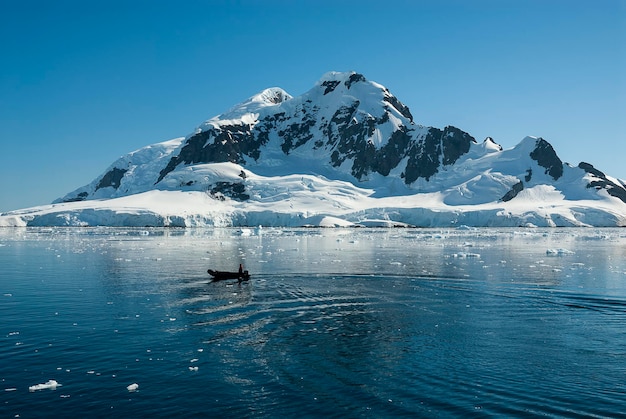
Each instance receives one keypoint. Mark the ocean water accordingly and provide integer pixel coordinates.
(333, 323)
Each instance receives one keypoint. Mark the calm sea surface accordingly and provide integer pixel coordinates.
(333, 323)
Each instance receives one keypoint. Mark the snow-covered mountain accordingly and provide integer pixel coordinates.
(347, 152)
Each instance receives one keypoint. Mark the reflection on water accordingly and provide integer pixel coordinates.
(357, 323)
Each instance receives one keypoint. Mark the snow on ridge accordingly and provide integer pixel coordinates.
(340, 76)
(528, 143)
(247, 112)
(142, 163)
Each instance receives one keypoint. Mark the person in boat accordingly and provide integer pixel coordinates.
(220, 275)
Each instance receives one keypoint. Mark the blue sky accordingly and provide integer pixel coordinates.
(82, 82)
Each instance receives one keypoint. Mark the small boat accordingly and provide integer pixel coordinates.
(221, 275)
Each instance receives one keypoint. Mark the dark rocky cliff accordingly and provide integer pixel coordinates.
(345, 135)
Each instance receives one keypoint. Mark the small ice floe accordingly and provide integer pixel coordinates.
(558, 252)
(50, 384)
(132, 387)
(463, 255)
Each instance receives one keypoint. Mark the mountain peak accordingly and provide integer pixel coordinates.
(269, 97)
(369, 95)
(347, 77)
(248, 110)
(344, 84)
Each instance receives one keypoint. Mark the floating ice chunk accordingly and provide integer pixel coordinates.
(463, 255)
(132, 387)
(50, 384)
(558, 252)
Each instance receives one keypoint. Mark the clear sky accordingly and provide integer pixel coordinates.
(85, 82)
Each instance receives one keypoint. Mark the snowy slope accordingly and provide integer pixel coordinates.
(347, 152)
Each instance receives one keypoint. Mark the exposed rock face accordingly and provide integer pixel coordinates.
(227, 144)
(350, 139)
(546, 157)
(79, 197)
(236, 191)
(529, 175)
(438, 148)
(517, 188)
(399, 106)
(602, 182)
(330, 85)
(112, 178)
